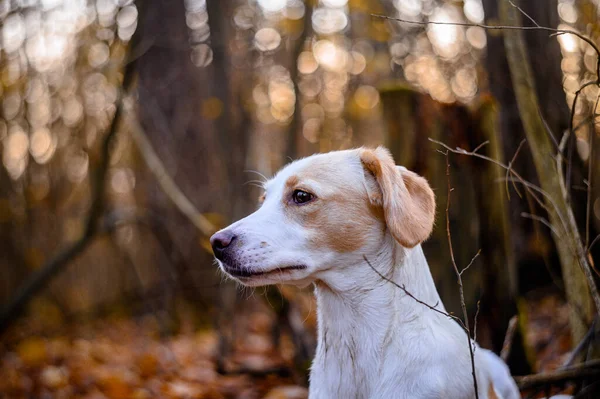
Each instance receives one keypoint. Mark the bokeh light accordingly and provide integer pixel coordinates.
(267, 39)
(272, 6)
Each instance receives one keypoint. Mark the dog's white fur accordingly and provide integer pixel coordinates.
(374, 341)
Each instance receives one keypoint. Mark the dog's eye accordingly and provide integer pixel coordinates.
(301, 197)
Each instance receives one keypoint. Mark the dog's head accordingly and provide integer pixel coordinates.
(324, 213)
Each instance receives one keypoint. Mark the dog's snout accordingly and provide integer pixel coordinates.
(221, 241)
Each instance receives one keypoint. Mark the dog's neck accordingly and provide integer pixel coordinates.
(360, 315)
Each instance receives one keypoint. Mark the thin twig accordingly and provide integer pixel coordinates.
(540, 219)
(508, 338)
(509, 169)
(459, 279)
(563, 142)
(530, 187)
(495, 27)
(480, 146)
(470, 263)
(403, 288)
(475, 323)
(591, 118)
(508, 27)
(547, 127)
(559, 162)
(574, 103)
(524, 13)
(580, 346)
(537, 27)
(564, 216)
(594, 241)
(592, 265)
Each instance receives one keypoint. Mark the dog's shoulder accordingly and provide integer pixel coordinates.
(427, 363)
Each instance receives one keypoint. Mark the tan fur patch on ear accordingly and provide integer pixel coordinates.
(370, 161)
(372, 168)
(408, 201)
(421, 207)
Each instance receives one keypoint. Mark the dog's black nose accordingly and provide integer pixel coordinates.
(221, 241)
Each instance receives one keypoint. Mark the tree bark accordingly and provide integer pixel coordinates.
(412, 118)
(172, 94)
(499, 274)
(572, 257)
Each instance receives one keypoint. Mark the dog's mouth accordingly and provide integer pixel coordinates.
(247, 273)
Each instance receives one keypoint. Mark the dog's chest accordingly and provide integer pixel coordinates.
(390, 368)
(393, 382)
(346, 364)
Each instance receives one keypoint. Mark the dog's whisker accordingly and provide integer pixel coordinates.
(265, 179)
(255, 183)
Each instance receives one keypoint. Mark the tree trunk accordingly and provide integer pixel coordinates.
(172, 92)
(499, 274)
(573, 261)
(413, 118)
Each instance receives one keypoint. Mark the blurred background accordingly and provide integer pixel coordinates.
(130, 131)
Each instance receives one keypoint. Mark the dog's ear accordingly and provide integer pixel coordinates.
(407, 200)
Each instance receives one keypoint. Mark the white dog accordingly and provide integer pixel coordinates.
(320, 218)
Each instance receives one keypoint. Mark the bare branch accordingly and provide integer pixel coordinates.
(481, 145)
(555, 195)
(574, 103)
(559, 161)
(565, 185)
(509, 169)
(585, 370)
(532, 189)
(592, 265)
(475, 322)
(548, 129)
(41, 277)
(540, 219)
(167, 184)
(581, 345)
(524, 13)
(459, 278)
(591, 118)
(508, 27)
(498, 27)
(403, 288)
(464, 323)
(470, 263)
(593, 242)
(508, 338)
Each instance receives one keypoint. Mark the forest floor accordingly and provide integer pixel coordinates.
(124, 357)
